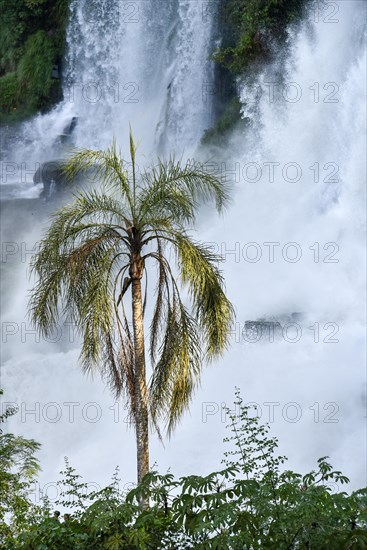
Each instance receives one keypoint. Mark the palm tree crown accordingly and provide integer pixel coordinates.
(98, 247)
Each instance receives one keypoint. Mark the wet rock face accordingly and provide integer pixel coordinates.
(272, 328)
(65, 140)
(52, 175)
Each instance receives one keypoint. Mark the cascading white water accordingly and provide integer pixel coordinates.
(141, 63)
(186, 113)
(294, 244)
(307, 384)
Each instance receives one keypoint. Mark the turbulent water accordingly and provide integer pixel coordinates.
(292, 240)
(142, 63)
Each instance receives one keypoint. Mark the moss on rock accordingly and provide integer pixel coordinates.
(252, 33)
(32, 40)
(250, 28)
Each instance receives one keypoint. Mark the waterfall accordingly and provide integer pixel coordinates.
(294, 243)
(142, 63)
(291, 239)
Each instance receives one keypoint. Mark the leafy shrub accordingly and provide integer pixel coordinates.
(252, 503)
(34, 3)
(18, 468)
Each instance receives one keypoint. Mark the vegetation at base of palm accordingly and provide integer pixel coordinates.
(18, 469)
(251, 503)
(32, 40)
(99, 247)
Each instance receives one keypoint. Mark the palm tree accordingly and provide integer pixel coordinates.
(98, 247)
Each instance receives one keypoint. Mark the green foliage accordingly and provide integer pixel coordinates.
(225, 124)
(35, 69)
(253, 32)
(253, 503)
(32, 38)
(32, 4)
(18, 468)
(253, 29)
(9, 88)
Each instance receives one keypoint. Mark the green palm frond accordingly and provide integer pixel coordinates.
(185, 340)
(163, 295)
(106, 167)
(68, 258)
(213, 311)
(177, 373)
(95, 207)
(173, 191)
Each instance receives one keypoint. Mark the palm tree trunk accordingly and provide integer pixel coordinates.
(141, 399)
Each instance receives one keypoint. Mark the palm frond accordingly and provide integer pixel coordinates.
(68, 258)
(125, 357)
(162, 288)
(106, 167)
(177, 372)
(175, 192)
(213, 311)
